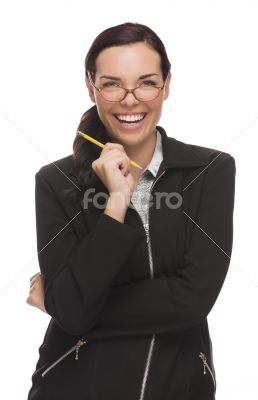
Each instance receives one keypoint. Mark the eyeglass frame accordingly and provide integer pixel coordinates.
(127, 90)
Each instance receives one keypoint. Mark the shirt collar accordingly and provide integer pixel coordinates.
(157, 157)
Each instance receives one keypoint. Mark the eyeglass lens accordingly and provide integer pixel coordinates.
(142, 93)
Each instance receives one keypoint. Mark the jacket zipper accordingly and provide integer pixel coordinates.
(76, 347)
(206, 365)
(152, 343)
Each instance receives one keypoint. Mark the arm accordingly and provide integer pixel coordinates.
(185, 299)
(77, 275)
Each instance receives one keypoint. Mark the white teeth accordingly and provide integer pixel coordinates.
(130, 118)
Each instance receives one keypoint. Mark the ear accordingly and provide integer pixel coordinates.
(90, 90)
(167, 86)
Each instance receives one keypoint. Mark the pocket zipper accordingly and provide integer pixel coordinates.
(206, 365)
(76, 347)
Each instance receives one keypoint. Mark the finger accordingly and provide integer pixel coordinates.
(33, 280)
(125, 166)
(31, 290)
(101, 162)
(109, 146)
(37, 273)
(120, 161)
(112, 155)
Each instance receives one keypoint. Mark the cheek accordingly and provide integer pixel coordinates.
(155, 109)
(155, 105)
(104, 109)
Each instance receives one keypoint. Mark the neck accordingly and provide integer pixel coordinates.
(141, 154)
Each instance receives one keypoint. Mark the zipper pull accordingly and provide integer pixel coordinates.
(79, 344)
(204, 361)
(146, 227)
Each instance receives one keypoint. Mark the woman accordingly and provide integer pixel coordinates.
(132, 260)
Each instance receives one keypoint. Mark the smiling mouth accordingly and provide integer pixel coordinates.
(130, 119)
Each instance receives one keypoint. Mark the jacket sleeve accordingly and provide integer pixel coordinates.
(77, 274)
(181, 301)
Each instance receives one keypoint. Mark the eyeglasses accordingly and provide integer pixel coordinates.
(111, 91)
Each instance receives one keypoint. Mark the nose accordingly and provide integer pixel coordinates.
(129, 99)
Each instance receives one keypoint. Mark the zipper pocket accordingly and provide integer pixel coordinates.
(206, 365)
(75, 348)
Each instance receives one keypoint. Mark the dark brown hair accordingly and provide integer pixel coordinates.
(84, 152)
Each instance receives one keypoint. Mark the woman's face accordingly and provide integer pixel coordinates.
(127, 64)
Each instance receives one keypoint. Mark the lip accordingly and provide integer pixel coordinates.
(128, 113)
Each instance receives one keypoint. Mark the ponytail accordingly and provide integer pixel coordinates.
(85, 152)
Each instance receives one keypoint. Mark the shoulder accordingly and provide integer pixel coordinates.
(209, 157)
(217, 164)
(64, 164)
(218, 167)
(179, 154)
(57, 170)
(209, 154)
(58, 175)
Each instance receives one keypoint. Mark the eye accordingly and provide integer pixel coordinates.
(108, 84)
(149, 82)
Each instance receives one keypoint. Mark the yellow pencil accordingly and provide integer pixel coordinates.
(102, 145)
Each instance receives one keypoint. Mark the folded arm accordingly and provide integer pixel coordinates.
(77, 275)
(185, 299)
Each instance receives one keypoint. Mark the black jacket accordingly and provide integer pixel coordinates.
(141, 338)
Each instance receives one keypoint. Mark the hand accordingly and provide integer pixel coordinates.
(36, 295)
(114, 170)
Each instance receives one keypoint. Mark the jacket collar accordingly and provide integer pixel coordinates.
(176, 154)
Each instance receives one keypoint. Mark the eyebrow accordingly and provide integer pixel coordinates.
(118, 79)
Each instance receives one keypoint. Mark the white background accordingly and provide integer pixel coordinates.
(212, 46)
